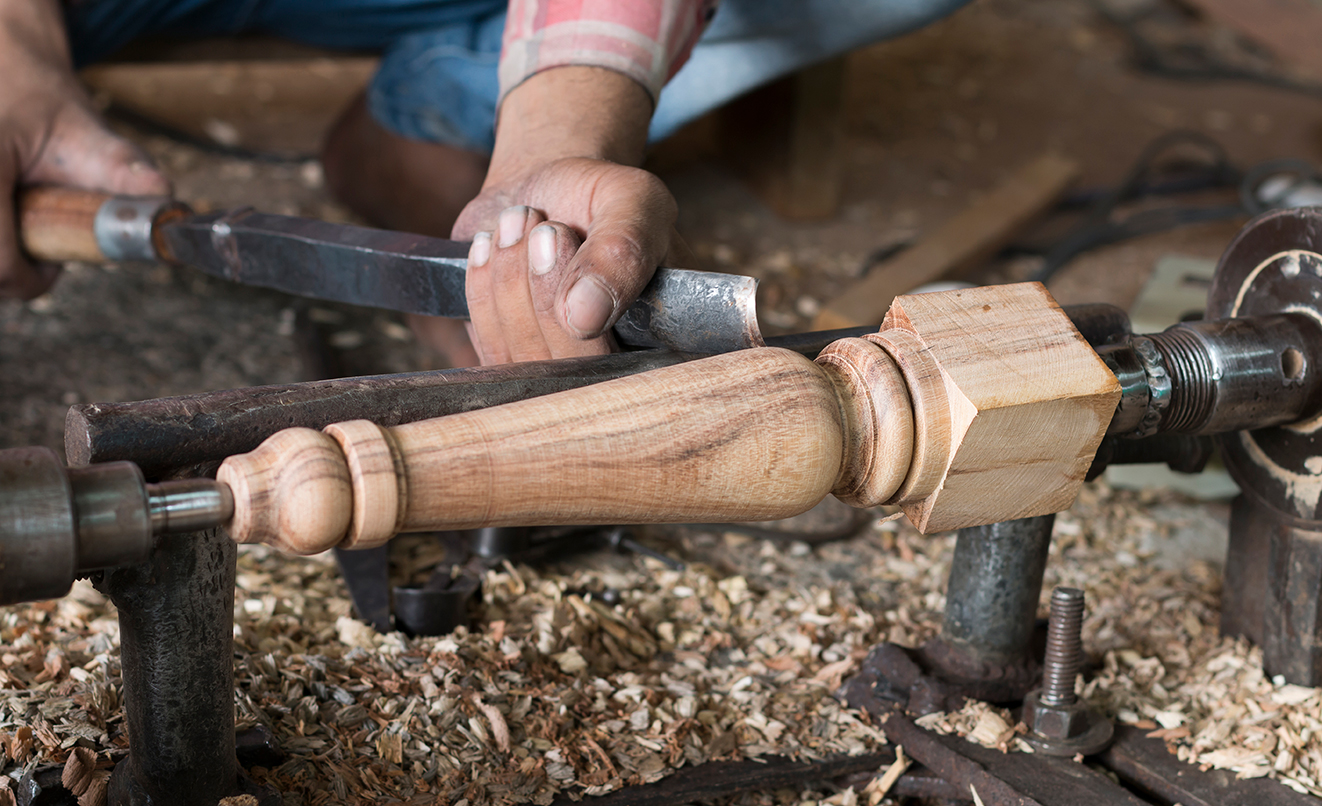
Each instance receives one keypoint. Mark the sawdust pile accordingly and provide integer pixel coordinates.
(555, 692)
(1152, 629)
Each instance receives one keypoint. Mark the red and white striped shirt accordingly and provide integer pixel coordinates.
(647, 40)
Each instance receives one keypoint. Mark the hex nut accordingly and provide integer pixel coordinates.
(1055, 721)
(1071, 730)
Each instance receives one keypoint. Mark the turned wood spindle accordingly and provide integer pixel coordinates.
(969, 407)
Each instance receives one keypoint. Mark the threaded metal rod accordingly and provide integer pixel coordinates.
(1064, 656)
(1193, 376)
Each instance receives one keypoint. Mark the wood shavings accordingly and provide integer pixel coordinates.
(878, 787)
(979, 722)
(553, 692)
(84, 779)
(556, 693)
(1153, 624)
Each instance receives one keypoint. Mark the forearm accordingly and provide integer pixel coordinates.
(32, 28)
(572, 111)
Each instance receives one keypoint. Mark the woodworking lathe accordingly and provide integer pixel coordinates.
(981, 410)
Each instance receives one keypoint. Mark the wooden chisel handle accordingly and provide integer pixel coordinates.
(752, 435)
(60, 223)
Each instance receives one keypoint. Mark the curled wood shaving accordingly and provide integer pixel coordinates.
(878, 787)
(83, 777)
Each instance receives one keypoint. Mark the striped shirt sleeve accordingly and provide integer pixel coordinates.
(647, 40)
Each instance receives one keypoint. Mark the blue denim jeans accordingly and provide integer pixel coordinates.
(437, 80)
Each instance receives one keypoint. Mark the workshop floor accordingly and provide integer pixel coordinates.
(934, 120)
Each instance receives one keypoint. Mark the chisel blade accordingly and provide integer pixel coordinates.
(680, 309)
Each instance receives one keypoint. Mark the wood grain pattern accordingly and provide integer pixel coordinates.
(970, 407)
(55, 223)
(752, 435)
(959, 244)
(377, 473)
(931, 414)
(295, 490)
(748, 435)
(879, 432)
(1029, 402)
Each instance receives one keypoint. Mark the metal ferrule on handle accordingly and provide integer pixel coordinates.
(59, 224)
(124, 226)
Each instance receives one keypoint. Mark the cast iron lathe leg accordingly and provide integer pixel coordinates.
(1273, 588)
(985, 647)
(985, 650)
(176, 621)
(993, 591)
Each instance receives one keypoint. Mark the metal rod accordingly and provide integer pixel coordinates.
(176, 622)
(995, 581)
(195, 429)
(188, 505)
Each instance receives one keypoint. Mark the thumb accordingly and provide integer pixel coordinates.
(82, 152)
(632, 218)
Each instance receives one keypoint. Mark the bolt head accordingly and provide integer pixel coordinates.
(1053, 721)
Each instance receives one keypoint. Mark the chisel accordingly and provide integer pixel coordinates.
(680, 309)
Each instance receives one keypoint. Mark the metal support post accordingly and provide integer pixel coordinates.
(985, 649)
(1273, 588)
(176, 621)
(993, 591)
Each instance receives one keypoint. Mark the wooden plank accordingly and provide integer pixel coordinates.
(957, 245)
(283, 105)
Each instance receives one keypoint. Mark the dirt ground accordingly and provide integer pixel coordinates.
(934, 120)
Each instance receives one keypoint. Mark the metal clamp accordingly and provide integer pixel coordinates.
(1145, 386)
(1159, 384)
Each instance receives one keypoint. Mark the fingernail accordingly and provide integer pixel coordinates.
(588, 306)
(510, 227)
(480, 252)
(541, 249)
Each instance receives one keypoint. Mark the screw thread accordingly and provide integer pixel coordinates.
(1193, 387)
(1064, 656)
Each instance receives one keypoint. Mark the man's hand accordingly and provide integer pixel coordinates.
(50, 134)
(565, 233)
